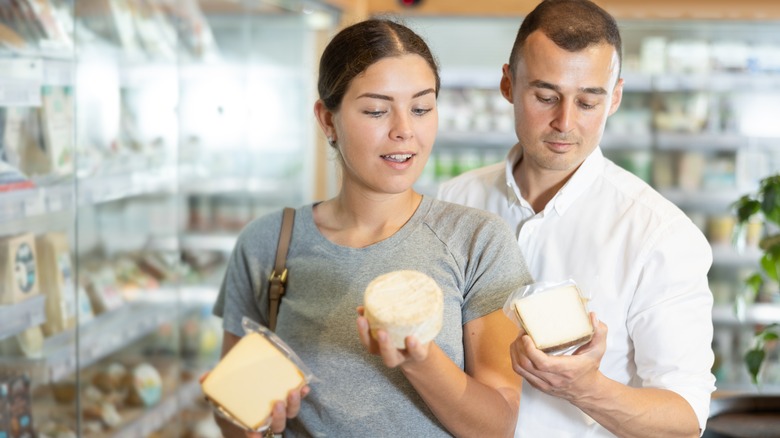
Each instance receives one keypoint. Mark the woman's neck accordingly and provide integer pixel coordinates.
(358, 220)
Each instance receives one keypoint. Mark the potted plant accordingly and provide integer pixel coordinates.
(763, 205)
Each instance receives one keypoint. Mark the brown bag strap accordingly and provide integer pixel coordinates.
(278, 277)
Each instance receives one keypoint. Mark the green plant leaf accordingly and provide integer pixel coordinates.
(754, 282)
(769, 265)
(745, 208)
(753, 359)
(770, 203)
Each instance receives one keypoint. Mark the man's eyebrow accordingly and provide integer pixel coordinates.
(549, 86)
(389, 98)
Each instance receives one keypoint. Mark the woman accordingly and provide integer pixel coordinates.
(378, 84)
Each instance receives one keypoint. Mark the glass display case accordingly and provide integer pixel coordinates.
(138, 137)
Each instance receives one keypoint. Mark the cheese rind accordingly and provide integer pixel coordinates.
(404, 303)
(556, 319)
(250, 378)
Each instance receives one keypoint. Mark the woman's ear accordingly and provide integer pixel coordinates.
(325, 119)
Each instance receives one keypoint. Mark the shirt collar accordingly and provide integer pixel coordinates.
(583, 177)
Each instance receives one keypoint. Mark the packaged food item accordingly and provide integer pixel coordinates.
(57, 282)
(258, 371)
(554, 315)
(18, 270)
(404, 303)
(15, 407)
(145, 386)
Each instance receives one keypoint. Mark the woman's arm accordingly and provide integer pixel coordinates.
(483, 400)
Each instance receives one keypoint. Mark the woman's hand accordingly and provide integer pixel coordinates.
(281, 412)
(382, 346)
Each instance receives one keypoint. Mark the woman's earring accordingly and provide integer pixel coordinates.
(331, 142)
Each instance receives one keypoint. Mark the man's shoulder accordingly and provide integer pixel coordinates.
(640, 193)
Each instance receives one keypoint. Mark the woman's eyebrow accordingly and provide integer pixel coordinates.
(389, 98)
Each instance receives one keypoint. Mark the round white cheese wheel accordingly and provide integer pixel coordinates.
(404, 303)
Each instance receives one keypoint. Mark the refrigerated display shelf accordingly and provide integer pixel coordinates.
(759, 313)
(69, 351)
(48, 199)
(157, 416)
(18, 317)
(727, 255)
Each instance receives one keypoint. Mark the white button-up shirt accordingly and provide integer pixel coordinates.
(641, 261)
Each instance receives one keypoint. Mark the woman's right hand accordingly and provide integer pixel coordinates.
(281, 411)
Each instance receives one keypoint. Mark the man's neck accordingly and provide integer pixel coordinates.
(538, 186)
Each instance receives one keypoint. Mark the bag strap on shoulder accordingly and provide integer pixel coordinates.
(278, 277)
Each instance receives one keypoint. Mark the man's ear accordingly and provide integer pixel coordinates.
(325, 119)
(506, 83)
(617, 97)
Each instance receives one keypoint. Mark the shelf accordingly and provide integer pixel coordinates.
(69, 351)
(209, 242)
(715, 81)
(701, 141)
(761, 313)
(157, 416)
(726, 255)
(61, 195)
(476, 140)
(19, 317)
(703, 200)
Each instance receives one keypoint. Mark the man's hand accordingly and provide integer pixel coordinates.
(567, 376)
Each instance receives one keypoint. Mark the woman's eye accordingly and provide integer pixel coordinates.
(375, 114)
(421, 111)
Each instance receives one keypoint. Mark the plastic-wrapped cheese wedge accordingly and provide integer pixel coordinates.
(556, 319)
(251, 377)
(404, 303)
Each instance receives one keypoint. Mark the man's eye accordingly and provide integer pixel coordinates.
(544, 99)
(587, 106)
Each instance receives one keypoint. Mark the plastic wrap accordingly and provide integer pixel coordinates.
(250, 326)
(538, 288)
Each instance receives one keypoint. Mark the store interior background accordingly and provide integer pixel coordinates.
(139, 136)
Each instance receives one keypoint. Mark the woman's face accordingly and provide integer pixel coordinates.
(386, 124)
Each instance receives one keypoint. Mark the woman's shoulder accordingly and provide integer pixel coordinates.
(444, 213)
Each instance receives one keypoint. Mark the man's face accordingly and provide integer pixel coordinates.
(561, 101)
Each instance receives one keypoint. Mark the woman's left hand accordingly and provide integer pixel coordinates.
(383, 346)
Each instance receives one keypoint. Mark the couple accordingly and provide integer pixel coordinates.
(560, 207)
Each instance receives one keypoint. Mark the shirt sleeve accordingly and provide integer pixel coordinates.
(243, 287)
(495, 268)
(670, 319)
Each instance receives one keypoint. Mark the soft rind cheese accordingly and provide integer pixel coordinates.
(404, 303)
(556, 319)
(251, 377)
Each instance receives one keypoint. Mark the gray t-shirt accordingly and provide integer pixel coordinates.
(471, 254)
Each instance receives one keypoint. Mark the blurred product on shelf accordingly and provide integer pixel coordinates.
(16, 406)
(101, 285)
(57, 281)
(12, 179)
(720, 229)
(146, 386)
(18, 270)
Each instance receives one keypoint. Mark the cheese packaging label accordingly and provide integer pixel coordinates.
(18, 268)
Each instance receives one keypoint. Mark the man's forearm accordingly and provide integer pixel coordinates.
(639, 412)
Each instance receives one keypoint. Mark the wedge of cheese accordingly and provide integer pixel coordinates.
(556, 319)
(404, 303)
(251, 377)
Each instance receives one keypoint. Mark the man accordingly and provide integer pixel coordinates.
(578, 216)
